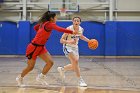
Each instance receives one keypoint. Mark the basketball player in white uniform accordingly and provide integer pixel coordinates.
(70, 48)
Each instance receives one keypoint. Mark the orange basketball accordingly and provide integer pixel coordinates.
(93, 44)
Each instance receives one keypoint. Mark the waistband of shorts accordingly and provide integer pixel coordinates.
(36, 44)
(70, 46)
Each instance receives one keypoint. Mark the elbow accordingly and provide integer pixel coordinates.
(35, 29)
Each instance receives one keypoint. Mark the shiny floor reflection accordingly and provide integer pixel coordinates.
(101, 75)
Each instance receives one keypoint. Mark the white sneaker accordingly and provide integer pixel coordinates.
(61, 72)
(42, 79)
(82, 83)
(19, 80)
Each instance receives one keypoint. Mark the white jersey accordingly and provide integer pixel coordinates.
(75, 37)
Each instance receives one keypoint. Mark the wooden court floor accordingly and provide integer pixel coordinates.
(101, 75)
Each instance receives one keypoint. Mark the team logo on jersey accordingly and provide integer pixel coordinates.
(75, 37)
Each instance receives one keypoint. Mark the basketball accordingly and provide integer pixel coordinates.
(93, 44)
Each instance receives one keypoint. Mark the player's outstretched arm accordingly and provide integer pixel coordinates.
(61, 29)
(82, 37)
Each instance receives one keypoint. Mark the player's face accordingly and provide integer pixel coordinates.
(55, 19)
(76, 21)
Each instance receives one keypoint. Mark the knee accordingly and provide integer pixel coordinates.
(75, 61)
(75, 64)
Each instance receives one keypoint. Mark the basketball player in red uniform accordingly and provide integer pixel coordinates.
(37, 46)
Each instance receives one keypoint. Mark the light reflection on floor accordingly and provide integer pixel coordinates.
(101, 75)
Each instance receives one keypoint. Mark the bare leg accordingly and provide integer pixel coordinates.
(68, 67)
(74, 64)
(29, 67)
(49, 62)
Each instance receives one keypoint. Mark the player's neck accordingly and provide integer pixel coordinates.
(75, 27)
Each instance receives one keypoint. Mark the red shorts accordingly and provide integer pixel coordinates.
(34, 51)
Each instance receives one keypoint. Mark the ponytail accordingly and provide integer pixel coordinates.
(46, 17)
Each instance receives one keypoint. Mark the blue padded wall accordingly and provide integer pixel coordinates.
(8, 38)
(128, 39)
(93, 30)
(115, 38)
(110, 38)
(23, 36)
(32, 31)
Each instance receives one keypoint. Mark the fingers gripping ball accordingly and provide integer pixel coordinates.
(93, 44)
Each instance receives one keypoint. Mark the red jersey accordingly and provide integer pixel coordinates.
(44, 31)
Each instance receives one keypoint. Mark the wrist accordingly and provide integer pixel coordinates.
(88, 40)
(65, 42)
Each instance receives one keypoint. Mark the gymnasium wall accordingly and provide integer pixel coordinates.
(115, 38)
(89, 10)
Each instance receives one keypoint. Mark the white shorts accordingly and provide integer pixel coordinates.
(68, 49)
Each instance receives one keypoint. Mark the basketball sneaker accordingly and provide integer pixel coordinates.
(82, 83)
(61, 72)
(19, 80)
(42, 79)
